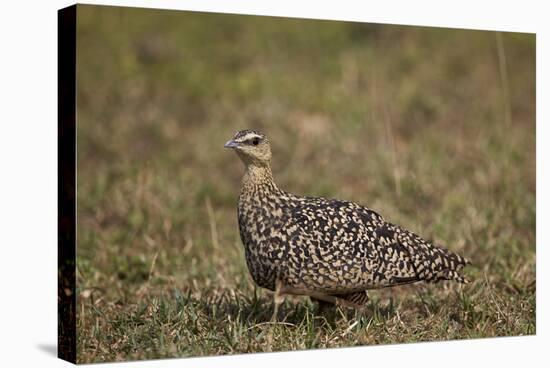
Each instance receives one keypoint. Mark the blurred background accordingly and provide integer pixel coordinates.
(433, 128)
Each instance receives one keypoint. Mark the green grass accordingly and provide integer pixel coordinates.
(423, 125)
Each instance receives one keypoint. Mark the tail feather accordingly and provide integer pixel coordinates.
(433, 263)
(446, 265)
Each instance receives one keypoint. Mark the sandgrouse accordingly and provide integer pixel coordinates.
(331, 250)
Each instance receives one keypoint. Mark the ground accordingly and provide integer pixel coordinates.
(433, 128)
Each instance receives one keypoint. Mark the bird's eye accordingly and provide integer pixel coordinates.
(255, 141)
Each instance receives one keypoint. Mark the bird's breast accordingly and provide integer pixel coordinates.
(260, 228)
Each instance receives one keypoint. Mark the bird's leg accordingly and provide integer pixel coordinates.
(360, 313)
(360, 305)
(278, 299)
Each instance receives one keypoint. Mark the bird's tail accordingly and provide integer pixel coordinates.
(433, 263)
(447, 266)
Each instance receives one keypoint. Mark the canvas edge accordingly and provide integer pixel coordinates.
(66, 185)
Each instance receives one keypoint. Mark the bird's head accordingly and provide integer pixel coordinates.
(252, 147)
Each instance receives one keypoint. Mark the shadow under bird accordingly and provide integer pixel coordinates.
(330, 250)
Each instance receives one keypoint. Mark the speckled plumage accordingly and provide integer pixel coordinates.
(326, 248)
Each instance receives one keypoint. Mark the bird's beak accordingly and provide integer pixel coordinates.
(231, 144)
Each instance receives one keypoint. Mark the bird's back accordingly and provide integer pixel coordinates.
(333, 246)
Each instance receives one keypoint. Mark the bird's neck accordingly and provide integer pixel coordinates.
(258, 177)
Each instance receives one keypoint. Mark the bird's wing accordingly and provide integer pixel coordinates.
(431, 262)
(361, 246)
(337, 243)
(407, 257)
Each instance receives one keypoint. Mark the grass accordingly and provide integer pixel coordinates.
(433, 128)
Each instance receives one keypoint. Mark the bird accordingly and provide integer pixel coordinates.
(332, 250)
